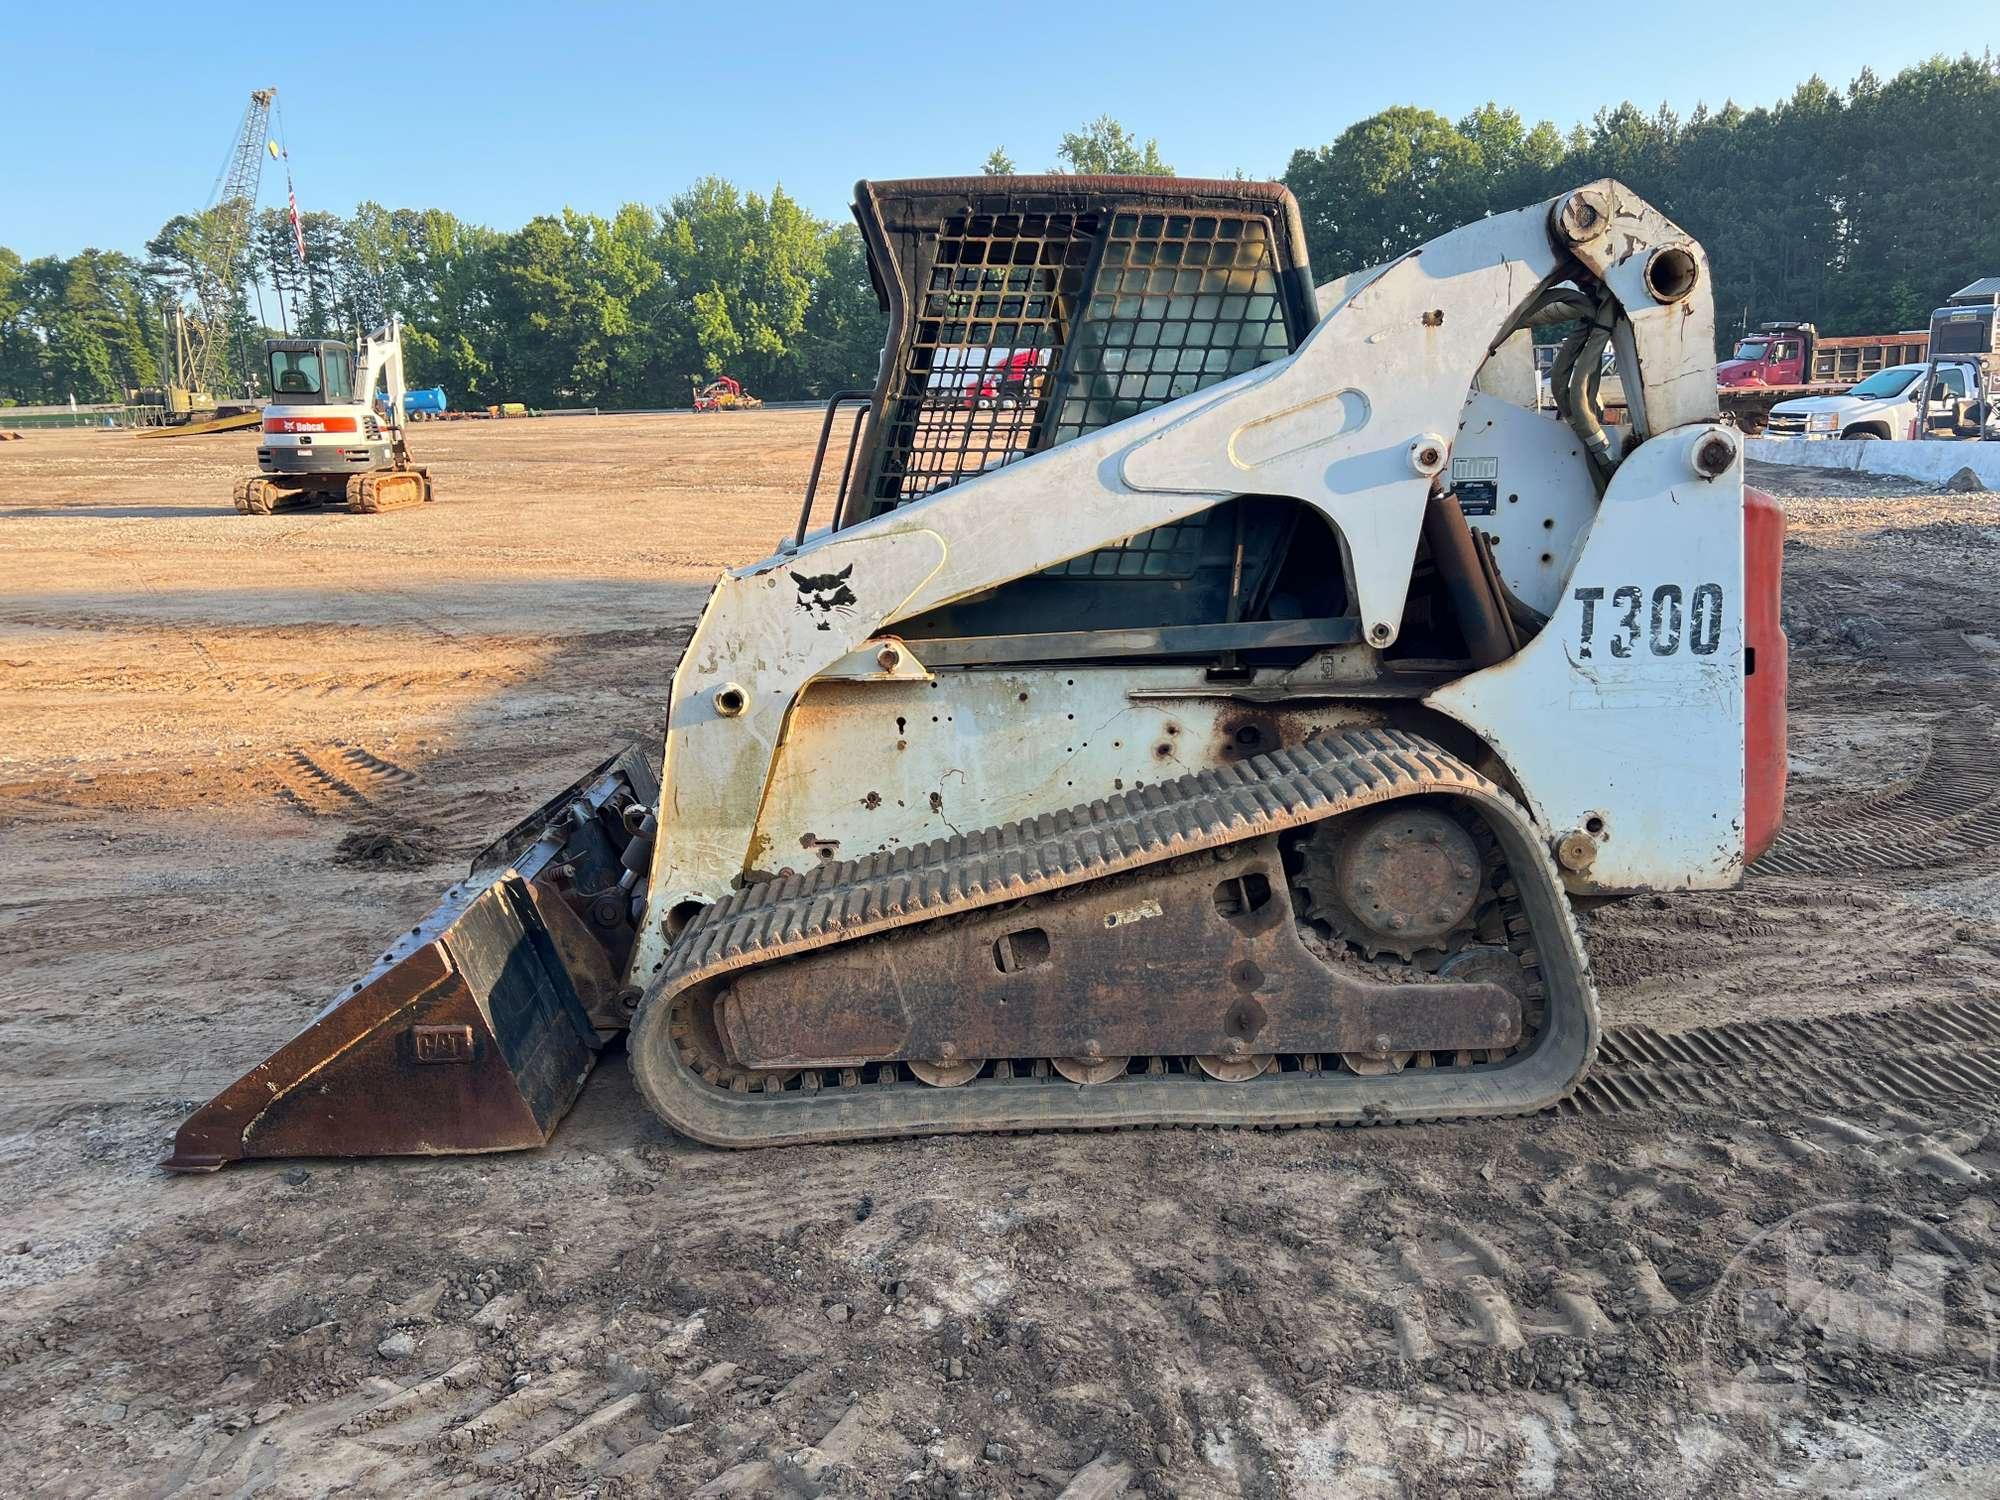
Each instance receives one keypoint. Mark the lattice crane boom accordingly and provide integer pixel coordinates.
(227, 229)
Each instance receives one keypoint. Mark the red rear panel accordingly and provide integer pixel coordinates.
(1764, 687)
(310, 424)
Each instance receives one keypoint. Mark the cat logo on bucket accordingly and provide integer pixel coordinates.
(442, 1044)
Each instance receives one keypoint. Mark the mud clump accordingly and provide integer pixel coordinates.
(387, 849)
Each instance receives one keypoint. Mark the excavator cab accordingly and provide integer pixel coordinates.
(310, 371)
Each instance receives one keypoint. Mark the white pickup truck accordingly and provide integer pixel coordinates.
(1882, 406)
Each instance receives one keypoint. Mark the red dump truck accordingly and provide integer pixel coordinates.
(1781, 361)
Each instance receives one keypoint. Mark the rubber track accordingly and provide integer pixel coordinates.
(1263, 794)
(367, 498)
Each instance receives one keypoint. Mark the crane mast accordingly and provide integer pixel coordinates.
(224, 230)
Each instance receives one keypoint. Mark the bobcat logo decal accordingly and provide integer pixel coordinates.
(826, 594)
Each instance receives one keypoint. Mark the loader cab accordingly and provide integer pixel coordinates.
(1024, 312)
(310, 372)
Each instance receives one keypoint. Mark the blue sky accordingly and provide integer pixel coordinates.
(109, 126)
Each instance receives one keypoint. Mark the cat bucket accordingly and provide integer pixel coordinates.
(475, 1030)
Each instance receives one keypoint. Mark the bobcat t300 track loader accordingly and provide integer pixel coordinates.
(1216, 732)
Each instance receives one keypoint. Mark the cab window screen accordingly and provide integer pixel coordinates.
(295, 372)
(337, 383)
(1030, 328)
(1180, 302)
(991, 322)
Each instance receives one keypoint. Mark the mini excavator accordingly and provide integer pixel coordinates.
(324, 441)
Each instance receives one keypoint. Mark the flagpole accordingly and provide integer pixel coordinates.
(292, 207)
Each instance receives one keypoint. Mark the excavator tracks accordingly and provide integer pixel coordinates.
(257, 495)
(1943, 1050)
(368, 494)
(917, 895)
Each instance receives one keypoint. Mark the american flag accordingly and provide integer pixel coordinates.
(298, 230)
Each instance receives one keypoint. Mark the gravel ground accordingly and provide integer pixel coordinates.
(1762, 1260)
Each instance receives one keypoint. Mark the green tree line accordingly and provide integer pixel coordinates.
(571, 309)
(1860, 209)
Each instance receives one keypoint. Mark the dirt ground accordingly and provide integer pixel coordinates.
(1758, 1255)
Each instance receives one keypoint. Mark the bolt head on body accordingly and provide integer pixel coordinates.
(1577, 852)
(1582, 216)
(1713, 455)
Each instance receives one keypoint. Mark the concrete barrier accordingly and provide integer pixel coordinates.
(1929, 462)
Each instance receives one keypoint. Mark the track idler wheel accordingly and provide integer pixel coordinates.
(1376, 1064)
(1237, 1069)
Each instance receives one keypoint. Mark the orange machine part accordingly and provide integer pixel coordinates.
(310, 425)
(1764, 684)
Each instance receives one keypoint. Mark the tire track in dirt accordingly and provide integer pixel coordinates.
(1939, 1051)
(475, 1423)
(335, 781)
(1947, 813)
(187, 635)
(1569, 1275)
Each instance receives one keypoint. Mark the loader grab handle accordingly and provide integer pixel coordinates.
(839, 399)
